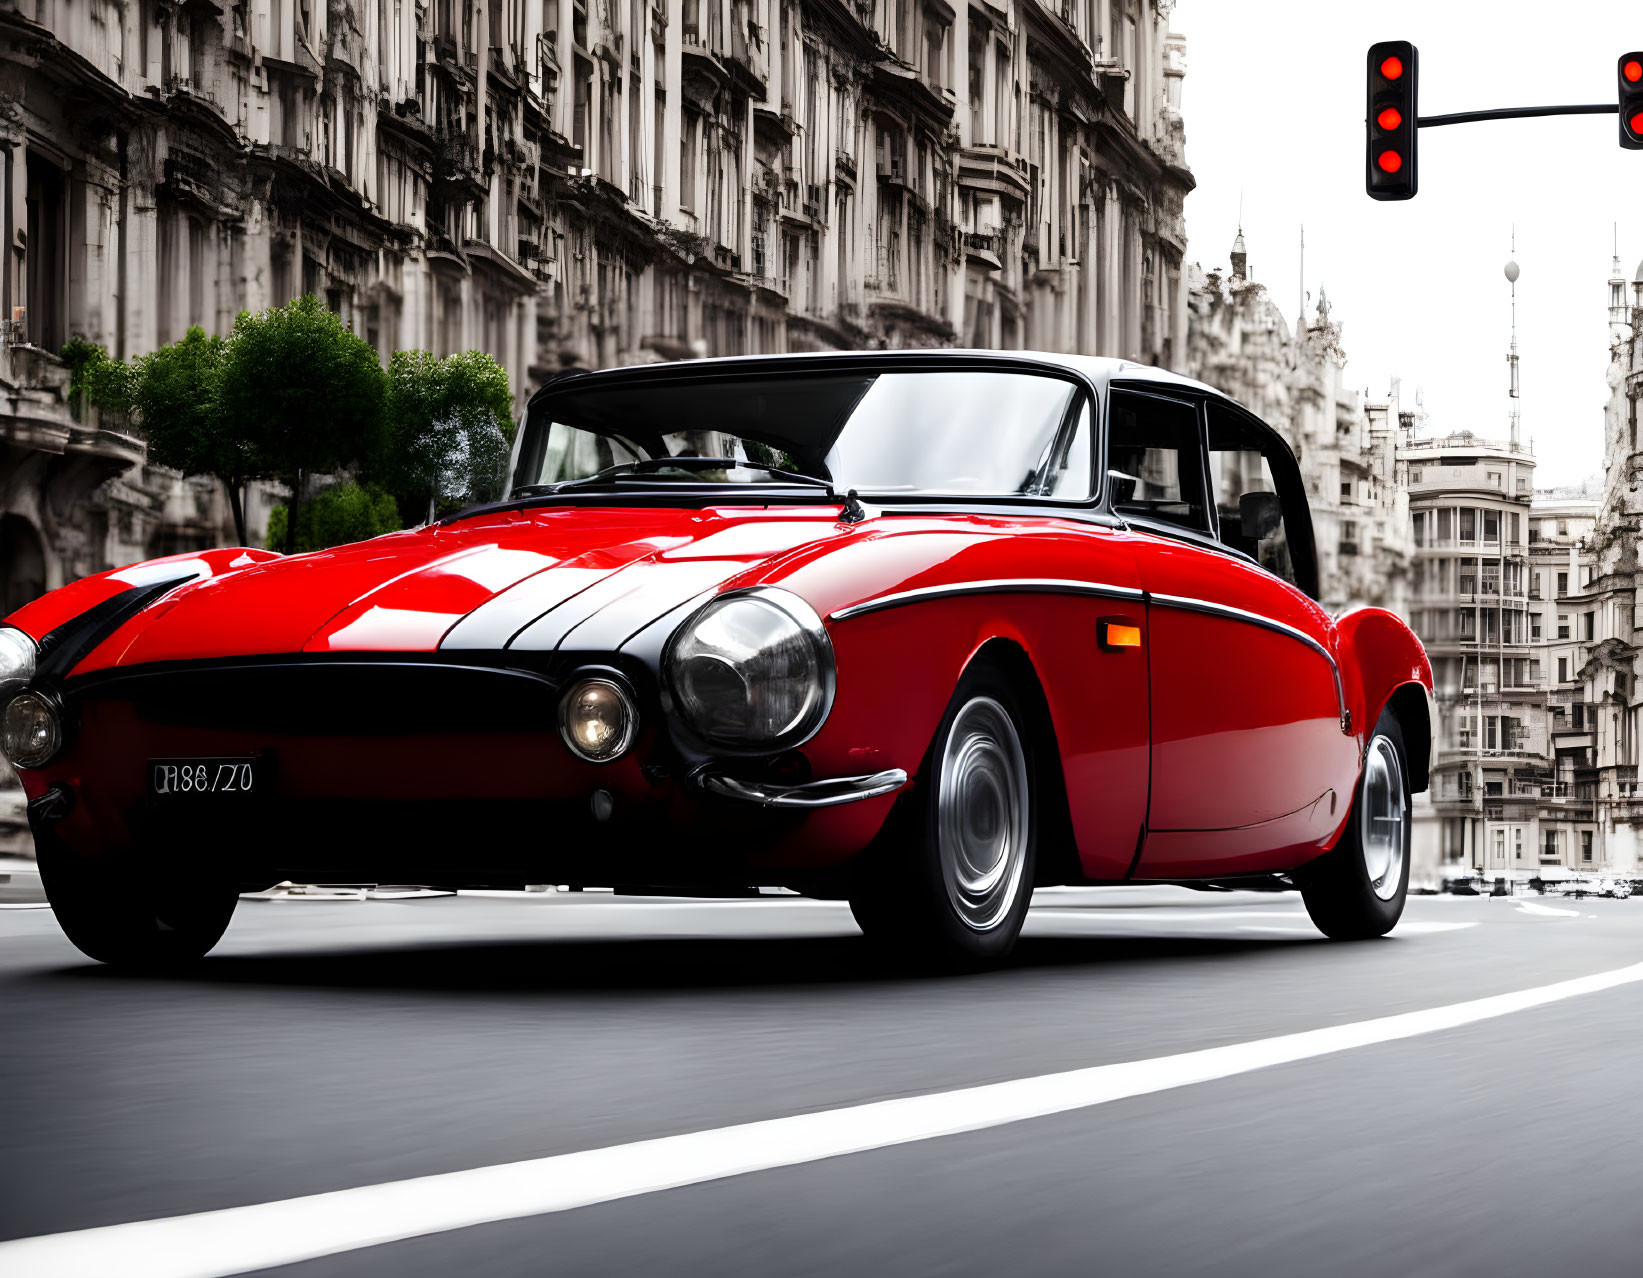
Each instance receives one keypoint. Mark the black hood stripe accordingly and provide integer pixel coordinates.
(70, 643)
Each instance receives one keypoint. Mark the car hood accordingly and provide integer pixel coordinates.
(588, 578)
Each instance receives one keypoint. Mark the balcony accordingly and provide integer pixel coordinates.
(986, 247)
(994, 170)
(458, 163)
(892, 168)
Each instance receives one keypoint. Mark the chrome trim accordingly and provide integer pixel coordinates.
(800, 611)
(1229, 613)
(1100, 590)
(983, 814)
(999, 586)
(18, 657)
(1383, 820)
(812, 794)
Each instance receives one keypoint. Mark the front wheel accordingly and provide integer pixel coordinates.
(122, 919)
(1357, 890)
(951, 882)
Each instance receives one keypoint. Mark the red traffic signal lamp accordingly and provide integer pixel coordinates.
(1631, 101)
(1392, 120)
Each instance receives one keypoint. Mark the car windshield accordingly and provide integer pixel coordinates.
(917, 433)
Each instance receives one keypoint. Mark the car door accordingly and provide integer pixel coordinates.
(1251, 767)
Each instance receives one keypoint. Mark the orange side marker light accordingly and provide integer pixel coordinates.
(1120, 634)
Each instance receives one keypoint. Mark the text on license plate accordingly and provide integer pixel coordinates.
(183, 777)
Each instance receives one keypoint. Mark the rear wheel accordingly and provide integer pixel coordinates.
(1357, 890)
(120, 918)
(950, 883)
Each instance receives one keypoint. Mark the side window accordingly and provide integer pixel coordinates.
(1251, 514)
(1155, 460)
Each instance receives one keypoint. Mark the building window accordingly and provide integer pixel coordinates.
(1494, 478)
(1549, 852)
(1346, 488)
(1585, 845)
(1590, 626)
(1415, 476)
(1563, 669)
(1563, 587)
(1562, 625)
(45, 280)
(1563, 528)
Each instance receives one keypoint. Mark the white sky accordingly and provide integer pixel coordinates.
(1274, 107)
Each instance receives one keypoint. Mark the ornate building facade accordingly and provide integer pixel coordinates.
(1240, 343)
(560, 182)
(1608, 671)
(1501, 587)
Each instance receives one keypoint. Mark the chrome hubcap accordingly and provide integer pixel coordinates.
(982, 813)
(1385, 818)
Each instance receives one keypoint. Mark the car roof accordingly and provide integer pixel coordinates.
(1100, 369)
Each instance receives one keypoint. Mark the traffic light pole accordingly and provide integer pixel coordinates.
(1515, 113)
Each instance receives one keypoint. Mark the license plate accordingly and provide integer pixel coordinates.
(202, 778)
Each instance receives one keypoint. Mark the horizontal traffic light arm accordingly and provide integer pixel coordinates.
(1516, 113)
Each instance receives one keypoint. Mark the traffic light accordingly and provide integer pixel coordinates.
(1631, 101)
(1394, 69)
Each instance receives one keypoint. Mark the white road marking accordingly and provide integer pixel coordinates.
(239, 1239)
(1160, 916)
(1550, 911)
(1412, 927)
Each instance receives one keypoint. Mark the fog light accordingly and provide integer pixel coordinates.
(31, 731)
(597, 719)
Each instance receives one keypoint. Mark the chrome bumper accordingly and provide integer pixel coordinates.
(812, 794)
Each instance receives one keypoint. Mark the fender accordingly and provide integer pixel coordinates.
(55, 608)
(1384, 664)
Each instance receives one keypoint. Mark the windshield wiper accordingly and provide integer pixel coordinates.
(650, 464)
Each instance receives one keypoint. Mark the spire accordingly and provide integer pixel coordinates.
(1240, 256)
(1619, 315)
(1512, 273)
(1300, 285)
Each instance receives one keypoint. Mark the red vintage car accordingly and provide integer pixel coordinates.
(915, 630)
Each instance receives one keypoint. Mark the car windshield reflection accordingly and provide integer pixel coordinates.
(969, 432)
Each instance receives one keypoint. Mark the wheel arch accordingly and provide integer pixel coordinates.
(1386, 668)
(1058, 860)
(1410, 704)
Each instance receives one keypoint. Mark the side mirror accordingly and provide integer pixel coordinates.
(1259, 515)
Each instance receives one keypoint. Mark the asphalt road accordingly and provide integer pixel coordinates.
(331, 1045)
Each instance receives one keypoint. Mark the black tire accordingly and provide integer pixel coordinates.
(907, 893)
(121, 919)
(1346, 901)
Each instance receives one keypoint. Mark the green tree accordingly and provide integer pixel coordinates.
(449, 425)
(304, 393)
(341, 514)
(175, 392)
(95, 379)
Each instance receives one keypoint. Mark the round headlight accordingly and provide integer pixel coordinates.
(597, 719)
(31, 731)
(752, 670)
(16, 658)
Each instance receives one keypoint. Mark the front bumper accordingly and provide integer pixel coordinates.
(413, 772)
(812, 794)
